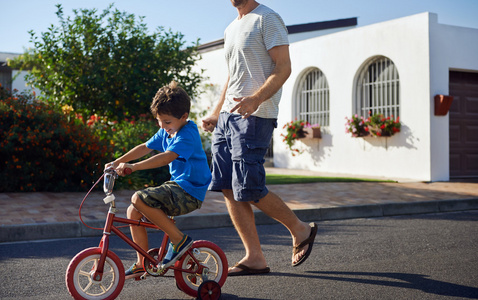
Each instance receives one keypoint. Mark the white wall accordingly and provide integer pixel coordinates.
(19, 83)
(214, 63)
(312, 34)
(340, 57)
(451, 48)
(423, 51)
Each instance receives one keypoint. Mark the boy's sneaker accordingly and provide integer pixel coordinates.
(175, 252)
(134, 270)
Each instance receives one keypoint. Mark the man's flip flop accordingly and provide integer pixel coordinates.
(245, 270)
(309, 241)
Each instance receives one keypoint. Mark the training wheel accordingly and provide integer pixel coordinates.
(209, 290)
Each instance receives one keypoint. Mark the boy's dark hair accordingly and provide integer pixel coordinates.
(171, 100)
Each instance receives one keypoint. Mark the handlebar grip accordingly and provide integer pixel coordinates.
(128, 171)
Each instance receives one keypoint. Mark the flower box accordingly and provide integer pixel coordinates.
(311, 133)
(442, 104)
(376, 125)
(362, 133)
(299, 129)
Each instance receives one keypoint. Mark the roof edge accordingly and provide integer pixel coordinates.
(322, 25)
(292, 29)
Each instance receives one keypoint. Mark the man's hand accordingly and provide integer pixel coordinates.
(246, 106)
(209, 123)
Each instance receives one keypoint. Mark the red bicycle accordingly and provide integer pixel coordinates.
(98, 273)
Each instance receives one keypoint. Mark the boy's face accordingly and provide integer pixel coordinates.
(172, 124)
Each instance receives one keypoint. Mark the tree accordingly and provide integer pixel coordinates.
(107, 63)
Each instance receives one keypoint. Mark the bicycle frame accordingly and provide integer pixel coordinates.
(110, 227)
(86, 278)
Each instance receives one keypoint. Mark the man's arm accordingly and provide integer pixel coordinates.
(282, 70)
(209, 123)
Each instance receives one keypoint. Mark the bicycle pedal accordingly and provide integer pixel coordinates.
(134, 276)
(144, 276)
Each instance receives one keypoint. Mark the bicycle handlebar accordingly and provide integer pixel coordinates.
(110, 177)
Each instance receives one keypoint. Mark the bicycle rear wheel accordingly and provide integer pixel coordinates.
(80, 271)
(211, 258)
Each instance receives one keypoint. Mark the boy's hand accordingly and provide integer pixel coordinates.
(121, 169)
(209, 123)
(110, 165)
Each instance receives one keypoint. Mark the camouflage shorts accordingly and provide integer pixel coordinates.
(170, 198)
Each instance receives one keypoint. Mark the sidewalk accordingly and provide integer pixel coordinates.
(25, 216)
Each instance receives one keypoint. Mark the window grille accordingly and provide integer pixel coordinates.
(378, 89)
(312, 103)
(6, 77)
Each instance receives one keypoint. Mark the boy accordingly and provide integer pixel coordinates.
(180, 145)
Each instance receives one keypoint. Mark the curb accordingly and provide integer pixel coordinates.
(26, 232)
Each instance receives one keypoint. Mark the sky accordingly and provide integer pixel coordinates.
(207, 19)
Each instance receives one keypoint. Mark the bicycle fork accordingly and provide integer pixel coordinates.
(104, 243)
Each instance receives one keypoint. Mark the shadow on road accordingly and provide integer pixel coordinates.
(400, 280)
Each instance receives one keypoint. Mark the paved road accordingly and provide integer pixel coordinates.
(409, 257)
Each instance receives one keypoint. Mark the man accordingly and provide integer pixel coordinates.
(257, 54)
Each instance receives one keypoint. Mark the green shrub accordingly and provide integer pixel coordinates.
(125, 135)
(42, 149)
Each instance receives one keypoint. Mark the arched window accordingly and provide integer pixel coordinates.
(378, 89)
(312, 100)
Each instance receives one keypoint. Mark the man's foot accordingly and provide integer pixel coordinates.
(305, 247)
(134, 270)
(249, 264)
(245, 270)
(176, 251)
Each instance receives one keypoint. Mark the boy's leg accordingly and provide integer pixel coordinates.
(138, 233)
(175, 202)
(159, 218)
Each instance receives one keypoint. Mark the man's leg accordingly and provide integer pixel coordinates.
(273, 206)
(243, 219)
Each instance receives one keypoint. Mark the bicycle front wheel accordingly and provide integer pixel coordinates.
(79, 275)
(211, 258)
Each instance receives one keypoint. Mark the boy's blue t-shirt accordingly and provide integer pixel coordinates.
(190, 169)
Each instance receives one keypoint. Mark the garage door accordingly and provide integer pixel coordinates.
(464, 125)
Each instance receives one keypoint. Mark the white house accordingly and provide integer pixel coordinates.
(7, 74)
(395, 67)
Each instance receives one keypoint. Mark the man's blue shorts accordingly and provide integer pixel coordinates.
(238, 149)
